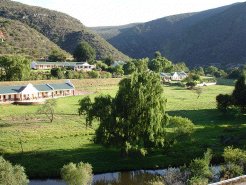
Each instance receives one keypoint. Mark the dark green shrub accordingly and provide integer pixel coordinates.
(182, 126)
(74, 174)
(235, 155)
(224, 101)
(191, 85)
(200, 168)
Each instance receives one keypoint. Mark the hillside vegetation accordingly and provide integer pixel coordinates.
(21, 39)
(212, 36)
(60, 28)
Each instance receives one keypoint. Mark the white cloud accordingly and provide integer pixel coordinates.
(117, 12)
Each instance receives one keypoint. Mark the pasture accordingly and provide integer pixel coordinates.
(43, 147)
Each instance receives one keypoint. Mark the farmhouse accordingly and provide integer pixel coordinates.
(176, 76)
(34, 93)
(77, 66)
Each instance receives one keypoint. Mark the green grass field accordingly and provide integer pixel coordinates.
(48, 146)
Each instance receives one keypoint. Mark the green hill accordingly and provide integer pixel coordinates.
(21, 39)
(212, 36)
(60, 28)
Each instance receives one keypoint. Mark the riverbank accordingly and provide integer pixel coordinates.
(131, 177)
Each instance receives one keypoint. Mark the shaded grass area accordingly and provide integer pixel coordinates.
(48, 146)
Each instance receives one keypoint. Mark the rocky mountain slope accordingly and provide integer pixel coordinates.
(60, 28)
(18, 38)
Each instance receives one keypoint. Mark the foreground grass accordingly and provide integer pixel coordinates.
(48, 146)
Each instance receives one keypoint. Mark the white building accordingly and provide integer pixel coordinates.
(176, 76)
(77, 66)
(32, 93)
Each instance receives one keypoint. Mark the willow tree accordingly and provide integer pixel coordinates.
(140, 110)
(135, 118)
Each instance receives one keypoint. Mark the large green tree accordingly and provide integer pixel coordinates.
(238, 97)
(15, 68)
(135, 117)
(180, 67)
(109, 61)
(57, 56)
(239, 94)
(129, 68)
(84, 52)
(160, 64)
(141, 64)
(140, 110)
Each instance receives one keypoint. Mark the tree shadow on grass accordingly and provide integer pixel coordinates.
(47, 164)
(215, 137)
(209, 116)
(3, 125)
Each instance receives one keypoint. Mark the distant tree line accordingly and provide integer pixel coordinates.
(18, 67)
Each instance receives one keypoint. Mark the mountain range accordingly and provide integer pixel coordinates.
(55, 29)
(200, 38)
(215, 36)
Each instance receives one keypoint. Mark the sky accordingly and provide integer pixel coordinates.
(119, 12)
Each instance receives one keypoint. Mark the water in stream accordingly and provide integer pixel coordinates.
(140, 177)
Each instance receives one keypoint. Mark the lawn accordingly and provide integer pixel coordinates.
(48, 146)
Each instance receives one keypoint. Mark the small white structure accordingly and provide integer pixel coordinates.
(206, 84)
(176, 76)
